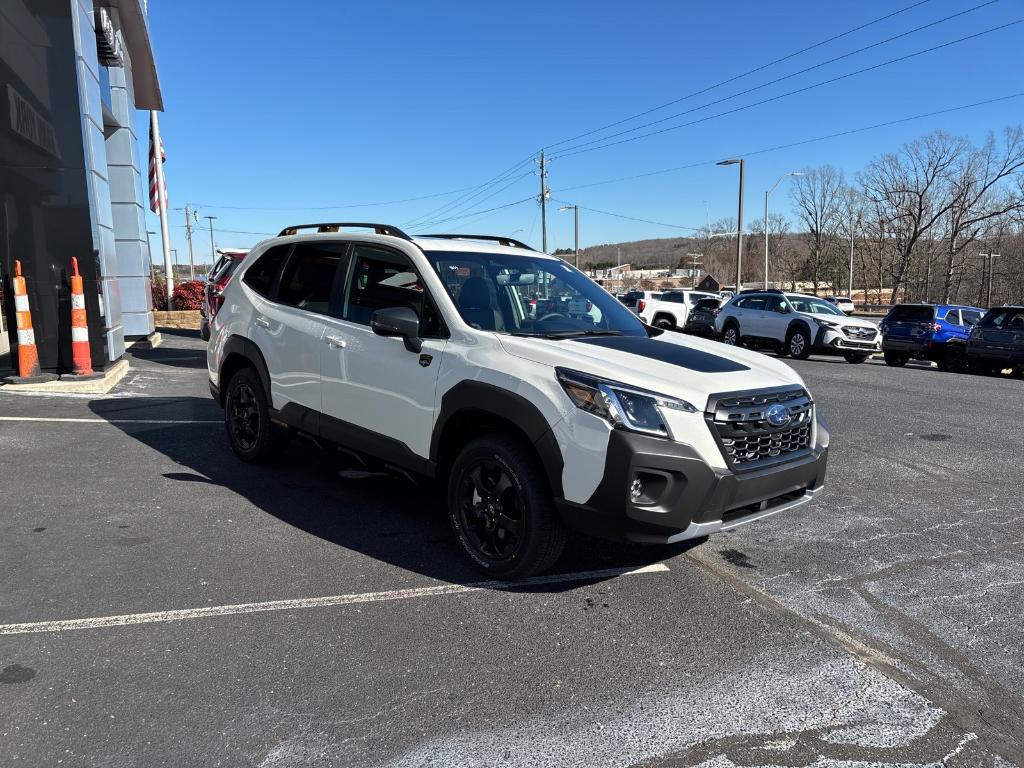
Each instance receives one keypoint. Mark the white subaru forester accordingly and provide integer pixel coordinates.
(539, 402)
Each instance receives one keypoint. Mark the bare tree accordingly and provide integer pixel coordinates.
(782, 263)
(817, 198)
(910, 188)
(979, 195)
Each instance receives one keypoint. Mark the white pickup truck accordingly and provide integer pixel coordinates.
(672, 308)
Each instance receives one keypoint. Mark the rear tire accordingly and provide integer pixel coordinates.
(254, 439)
(664, 323)
(896, 359)
(502, 510)
(856, 358)
(204, 330)
(798, 344)
(953, 360)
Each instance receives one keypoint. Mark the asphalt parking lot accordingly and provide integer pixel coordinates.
(164, 604)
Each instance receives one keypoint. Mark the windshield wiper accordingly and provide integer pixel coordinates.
(574, 334)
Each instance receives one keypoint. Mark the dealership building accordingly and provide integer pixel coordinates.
(72, 75)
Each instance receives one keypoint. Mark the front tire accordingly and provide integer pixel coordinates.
(953, 360)
(855, 358)
(501, 509)
(664, 323)
(254, 439)
(731, 335)
(798, 344)
(896, 359)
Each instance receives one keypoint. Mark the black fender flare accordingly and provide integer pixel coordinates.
(507, 406)
(246, 348)
(794, 324)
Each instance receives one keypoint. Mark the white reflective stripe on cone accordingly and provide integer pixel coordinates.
(79, 334)
(20, 303)
(26, 337)
(77, 301)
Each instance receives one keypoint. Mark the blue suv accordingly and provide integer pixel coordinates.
(936, 332)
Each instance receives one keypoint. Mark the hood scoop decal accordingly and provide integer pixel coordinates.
(673, 354)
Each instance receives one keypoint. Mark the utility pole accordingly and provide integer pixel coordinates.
(853, 231)
(991, 257)
(739, 224)
(213, 248)
(543, 203)
(694, 263)
(188, 236)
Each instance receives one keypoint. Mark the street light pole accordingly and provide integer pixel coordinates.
(739, 224)
(213, 248)
(576, 225)
(766, 195)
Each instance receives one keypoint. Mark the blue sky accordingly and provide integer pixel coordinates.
(321, 103)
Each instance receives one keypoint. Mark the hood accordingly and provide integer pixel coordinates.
(856, 322)
(671, 364)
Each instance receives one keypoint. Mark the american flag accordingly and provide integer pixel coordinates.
(154, 196)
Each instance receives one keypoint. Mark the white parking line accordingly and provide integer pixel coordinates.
(110, 421)
(128, 619)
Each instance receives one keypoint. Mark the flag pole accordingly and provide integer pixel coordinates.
(161, 193)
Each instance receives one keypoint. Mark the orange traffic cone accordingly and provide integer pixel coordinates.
(81, 356)
(28, 355)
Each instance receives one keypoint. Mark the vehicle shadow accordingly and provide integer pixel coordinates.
(326, 494)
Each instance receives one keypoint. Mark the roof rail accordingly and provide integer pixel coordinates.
(336, 226)
(508, 242)
(762, 290)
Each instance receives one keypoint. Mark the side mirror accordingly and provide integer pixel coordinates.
(398, 321)
(784, 309)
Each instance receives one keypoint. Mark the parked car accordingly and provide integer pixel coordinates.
(670, 309)
(935, 332)
(795, 324)
(637, 300)
(845, 303)
(701, 320)
(416, 355)
(213, 290)
(997, 341)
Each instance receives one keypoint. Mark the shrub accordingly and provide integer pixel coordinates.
(159, 292)
(189, 295)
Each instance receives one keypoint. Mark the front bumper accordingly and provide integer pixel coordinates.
(683, 497)
(835, 341)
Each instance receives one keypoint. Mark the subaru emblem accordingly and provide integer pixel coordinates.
(778, 416)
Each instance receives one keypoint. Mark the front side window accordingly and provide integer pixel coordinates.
(261, 275)
(530, 296)
(380, 278)
(754, 303)
(309, 276)
(970, 316)
(953, 316)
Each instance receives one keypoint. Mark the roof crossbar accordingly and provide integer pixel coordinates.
(508, 242)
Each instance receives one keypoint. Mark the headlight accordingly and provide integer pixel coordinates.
(826, 323)
(622, 406)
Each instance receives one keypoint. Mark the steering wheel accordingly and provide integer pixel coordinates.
(551, 315)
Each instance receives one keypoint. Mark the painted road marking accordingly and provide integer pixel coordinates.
(128, 619)
(110, 421)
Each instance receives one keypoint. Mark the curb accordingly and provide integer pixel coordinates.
(94, 386)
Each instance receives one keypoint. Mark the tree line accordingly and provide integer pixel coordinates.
(922, 223)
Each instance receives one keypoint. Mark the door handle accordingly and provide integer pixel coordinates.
(335, 341)
(262, 322)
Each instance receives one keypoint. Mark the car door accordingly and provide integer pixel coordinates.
(774, 322)
(378, 396)
(752, 322)
(289, 326)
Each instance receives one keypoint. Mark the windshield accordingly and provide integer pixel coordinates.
(530, 296)
(814, 306)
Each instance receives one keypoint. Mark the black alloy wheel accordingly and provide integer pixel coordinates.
(247, 418)
(502, 510)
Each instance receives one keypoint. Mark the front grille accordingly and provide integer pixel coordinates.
(740, 423)
(860, 334)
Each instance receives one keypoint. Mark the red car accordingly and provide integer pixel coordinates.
(229, 260)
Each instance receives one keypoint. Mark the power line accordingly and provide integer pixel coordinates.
(744, 74)
(488, 210)
(633, 218)
(465, 211)
(799, 143)
(793, 92)
(783, 78)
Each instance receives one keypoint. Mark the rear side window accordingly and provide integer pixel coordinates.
(1004, 317)
(309, 276)
(912, 313)
(260, 276)
(953, 316)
